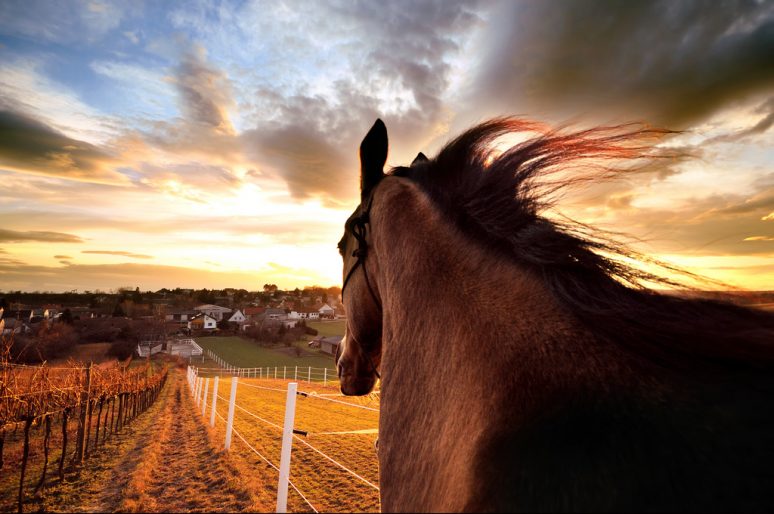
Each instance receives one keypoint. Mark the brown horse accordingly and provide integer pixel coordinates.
(522, 366)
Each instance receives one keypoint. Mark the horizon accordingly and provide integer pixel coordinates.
(215, 143)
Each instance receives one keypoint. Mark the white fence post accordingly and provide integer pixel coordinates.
(204, 396)
(284, 372)
(196, 391)
(325, 377)
(309, 375)
(275, 372)
(201, 392)
(230, 419)
(214, 401)
(295, 375)
(287, 443)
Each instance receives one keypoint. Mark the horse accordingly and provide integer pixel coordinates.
(522, 365)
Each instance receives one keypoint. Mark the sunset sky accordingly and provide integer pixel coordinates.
(214, 144)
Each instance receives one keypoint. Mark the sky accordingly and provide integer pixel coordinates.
(214, 144)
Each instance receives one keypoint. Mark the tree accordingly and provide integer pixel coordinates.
(66, 317)
(118, 312)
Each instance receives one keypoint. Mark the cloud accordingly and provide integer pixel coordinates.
(670, 63)
(62, 257)
(121, 253)
(714, 225)
(28, 145)
(311, 80)
(64, 23)
(305, 159)
(146, 276)
(13, 236)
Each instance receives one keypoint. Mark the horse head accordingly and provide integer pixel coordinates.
(359, 354)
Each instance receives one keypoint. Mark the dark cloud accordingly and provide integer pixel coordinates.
(670, 63)
(120, 253)
(29, 145)
(205, 98)
(205, 92)
(306, 159)
(62, 257)
(13, 236)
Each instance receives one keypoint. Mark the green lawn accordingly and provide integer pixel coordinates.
(328, 328)
(247, 354)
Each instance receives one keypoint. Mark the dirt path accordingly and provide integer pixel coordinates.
(165, 461)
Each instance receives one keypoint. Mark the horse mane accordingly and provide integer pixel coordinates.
(499, 200)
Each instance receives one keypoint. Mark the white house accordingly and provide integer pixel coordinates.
(202, 322)
(304, 314)
(213, 311)
(326, 311)
(237, 317)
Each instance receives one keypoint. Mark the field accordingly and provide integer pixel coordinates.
(247, 354)
(328, 328)
(341, 429)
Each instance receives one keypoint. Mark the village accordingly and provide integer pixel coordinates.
(49, 323)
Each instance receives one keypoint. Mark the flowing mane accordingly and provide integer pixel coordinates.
(526, 362)
(499, 201)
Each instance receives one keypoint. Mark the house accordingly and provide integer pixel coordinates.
(202, 322)
(252, 313)
(327, 312)
(214, 311)
(10, 326)
(330, 344)
(278, 314)
(304, 313)
(237, 317)
(180, 317)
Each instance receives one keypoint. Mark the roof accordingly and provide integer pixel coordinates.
(249, 311)
(332, 340)
(210, 307)
(275, 311)
(201, 315)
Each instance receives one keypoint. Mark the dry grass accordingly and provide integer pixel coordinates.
(326, 486)
(164, 460)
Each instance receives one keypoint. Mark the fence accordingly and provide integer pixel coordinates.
(296, 373)
(207, 391)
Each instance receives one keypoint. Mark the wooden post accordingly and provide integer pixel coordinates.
(230, 419)
(214, 401)
(204, 396)
(84, 412)
(287, 443)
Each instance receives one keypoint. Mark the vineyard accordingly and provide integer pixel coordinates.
(52, 418)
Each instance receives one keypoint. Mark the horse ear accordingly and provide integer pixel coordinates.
(373, 155)
(419, 159)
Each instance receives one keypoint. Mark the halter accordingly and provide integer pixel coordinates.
(359, 231)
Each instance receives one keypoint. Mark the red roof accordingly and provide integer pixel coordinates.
(251, 311)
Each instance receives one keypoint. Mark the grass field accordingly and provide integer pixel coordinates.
(247, 354)
(327, 486)
(328, 328)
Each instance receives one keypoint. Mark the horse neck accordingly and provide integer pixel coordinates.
(479, 296)
(455, 350)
